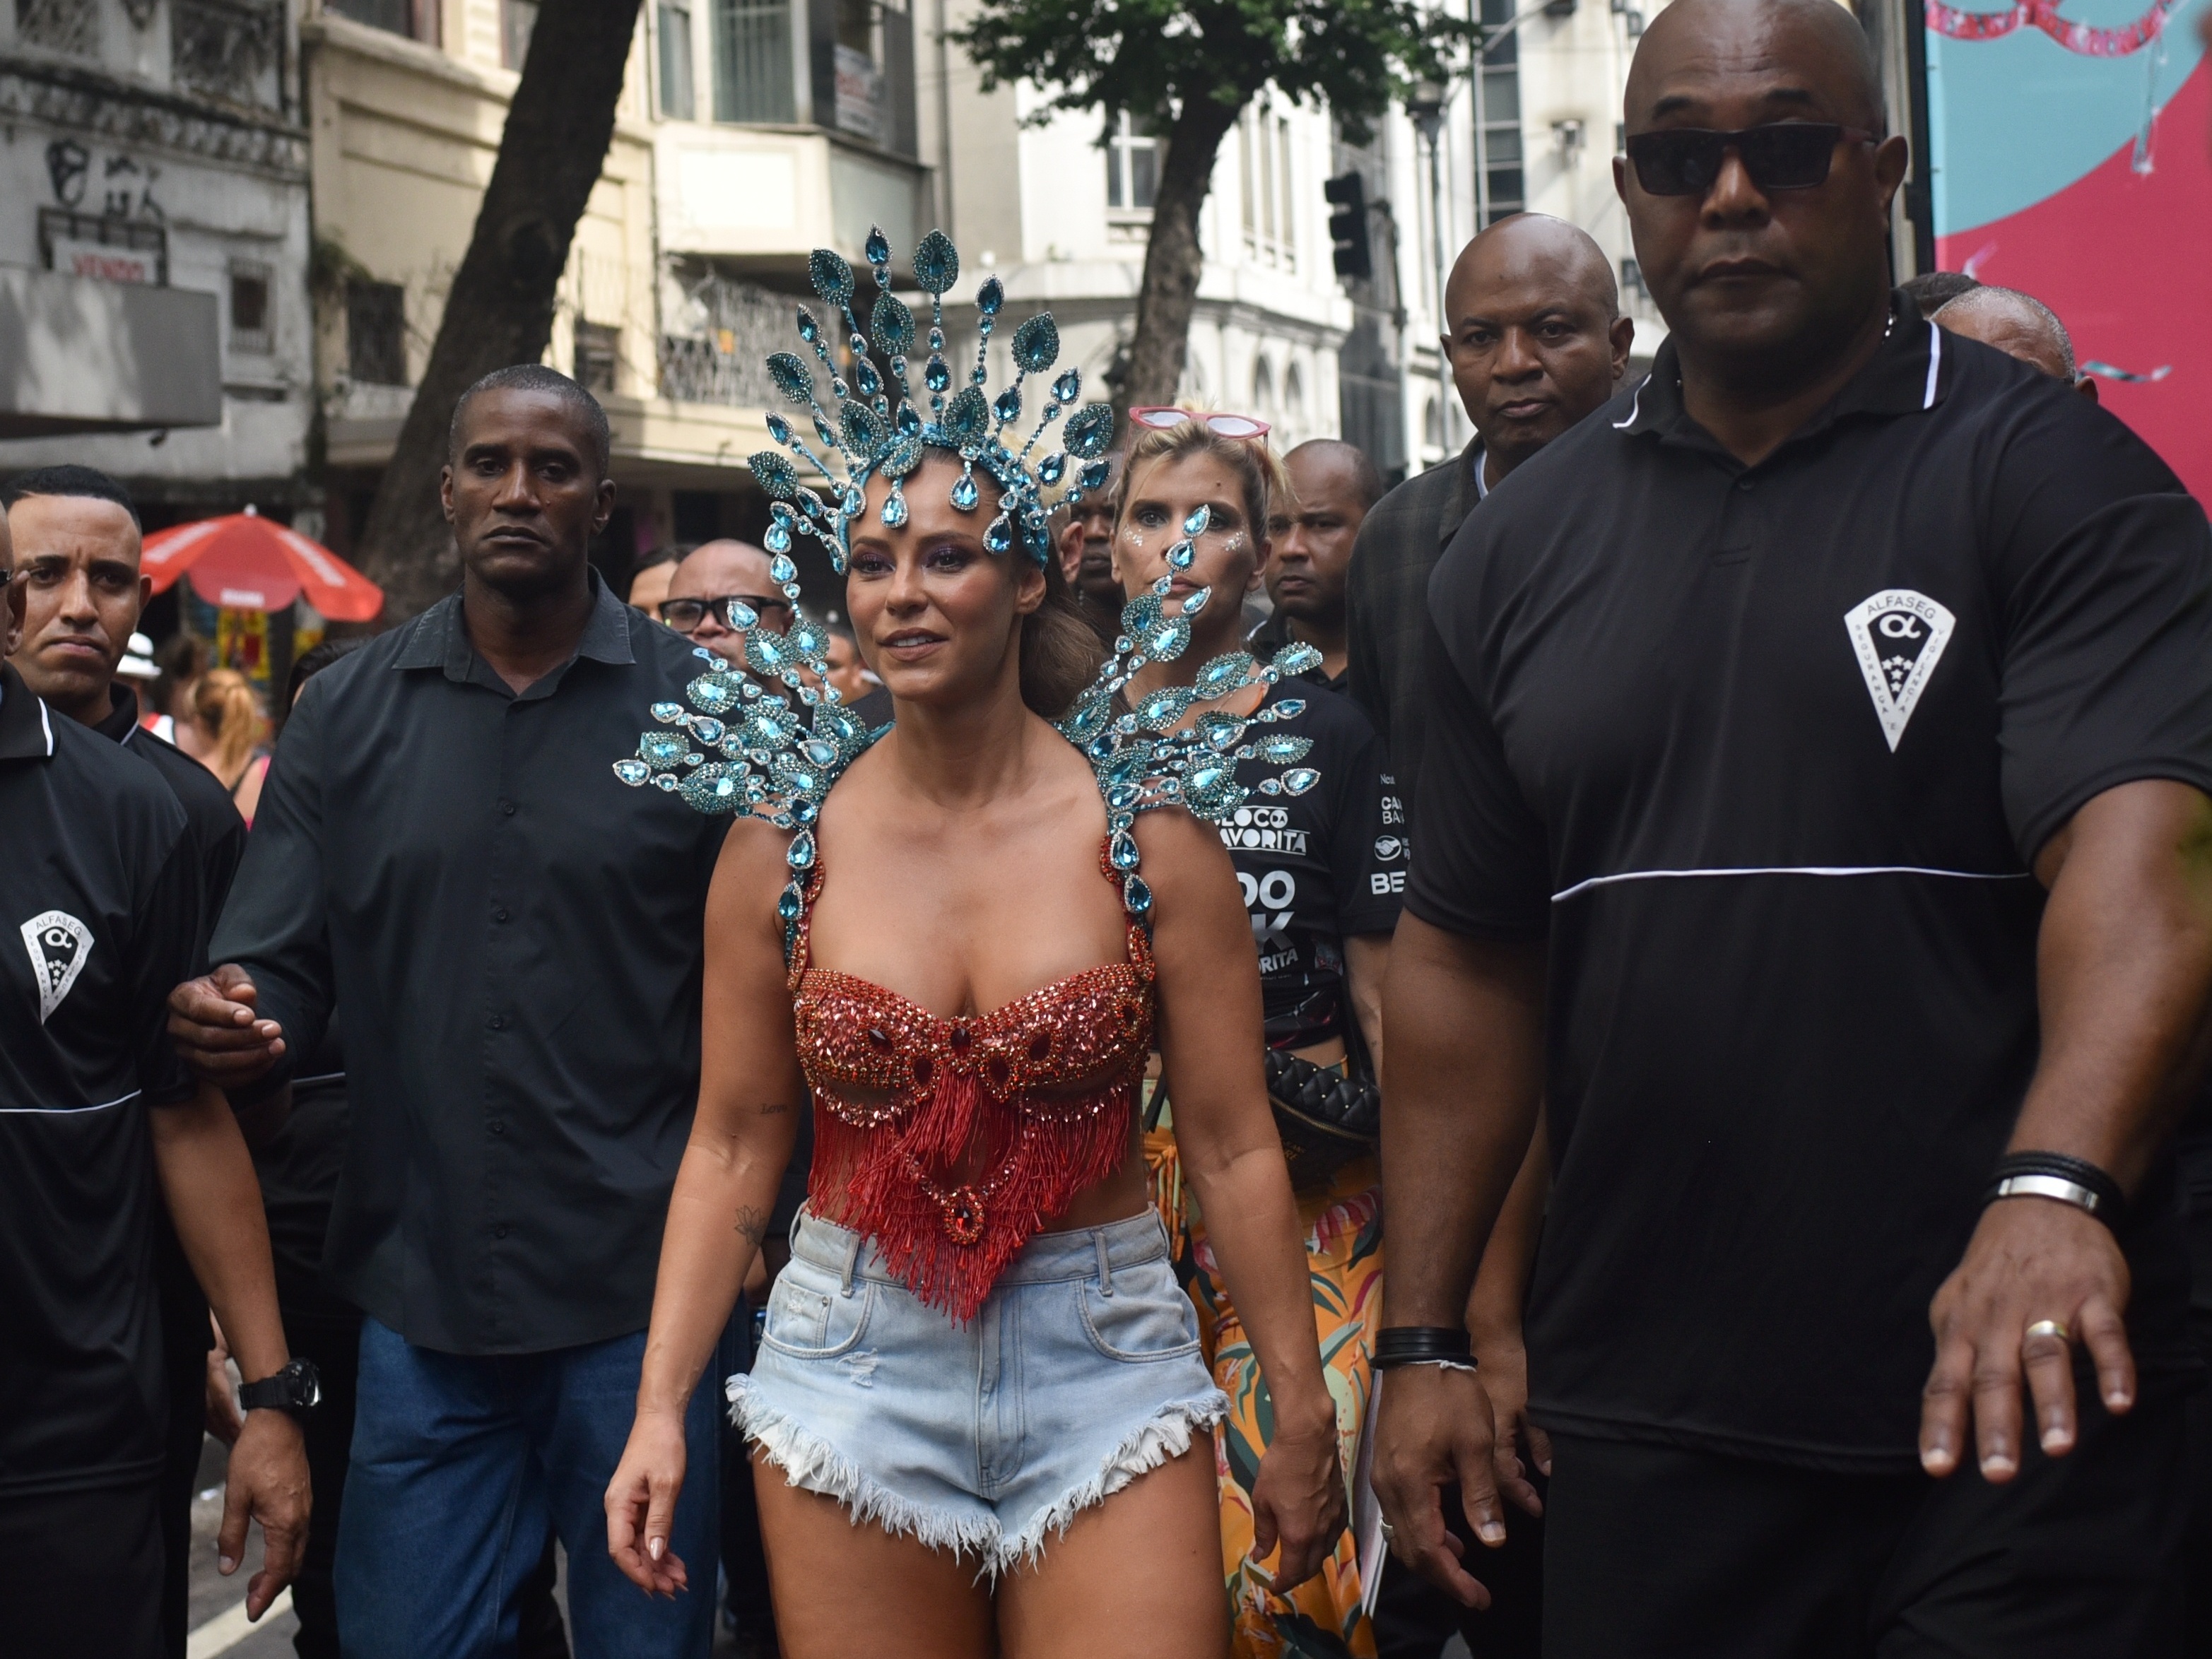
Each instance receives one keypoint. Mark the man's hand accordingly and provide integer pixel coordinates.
(2030, 1259)
(268, 1483)
(1434, 1428)
(212, 1020)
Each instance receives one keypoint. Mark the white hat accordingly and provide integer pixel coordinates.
(138, 662)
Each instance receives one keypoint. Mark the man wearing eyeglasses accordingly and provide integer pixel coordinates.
(712, 577)
(1815, 822)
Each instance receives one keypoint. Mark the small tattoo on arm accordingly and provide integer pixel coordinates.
(752, 1223)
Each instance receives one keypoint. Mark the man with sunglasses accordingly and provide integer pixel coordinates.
(1815, 822)
(712, 577)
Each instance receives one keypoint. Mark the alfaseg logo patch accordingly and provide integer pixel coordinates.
(1899, 636)
(58, 944)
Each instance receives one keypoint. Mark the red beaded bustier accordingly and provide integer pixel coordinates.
(976, 1130)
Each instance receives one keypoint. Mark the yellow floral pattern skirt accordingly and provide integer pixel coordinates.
(1321, 1618)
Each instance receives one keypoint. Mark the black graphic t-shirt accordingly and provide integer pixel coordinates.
(1320, 867)
(1765, 756)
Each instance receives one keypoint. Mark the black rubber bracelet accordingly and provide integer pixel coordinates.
(1418, 1345)
(2056, 1176)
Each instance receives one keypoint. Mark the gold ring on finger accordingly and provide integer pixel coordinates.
(2046, 1327)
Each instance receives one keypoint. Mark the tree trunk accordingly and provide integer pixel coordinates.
(1172, 260)
(500, 310)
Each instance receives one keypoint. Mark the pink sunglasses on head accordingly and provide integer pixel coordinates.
(1162, 417)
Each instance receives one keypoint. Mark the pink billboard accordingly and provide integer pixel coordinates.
(2067, 141)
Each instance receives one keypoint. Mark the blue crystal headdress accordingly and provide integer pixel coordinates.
(769, 762)
(869, 439)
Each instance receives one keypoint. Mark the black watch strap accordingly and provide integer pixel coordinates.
(297, 1388)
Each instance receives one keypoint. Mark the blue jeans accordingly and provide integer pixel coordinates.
(458, 1466)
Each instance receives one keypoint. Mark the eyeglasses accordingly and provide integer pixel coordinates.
(685, 616)
(1781, 155)
(1163, 419)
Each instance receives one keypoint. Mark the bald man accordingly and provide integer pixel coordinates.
(2019, 326)
(707, 579)
(1334, 487)
(1536, 343)
(1816, 825)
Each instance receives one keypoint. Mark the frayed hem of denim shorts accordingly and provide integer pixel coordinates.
(812, 1464)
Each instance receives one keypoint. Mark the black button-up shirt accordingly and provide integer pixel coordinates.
(515, 937)
(100, 914)
(1766, 754)
(1386, 597)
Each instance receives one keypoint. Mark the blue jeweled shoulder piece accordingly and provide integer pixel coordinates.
(740, 748)
(1143, 762)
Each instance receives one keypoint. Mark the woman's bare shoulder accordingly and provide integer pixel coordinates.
(1181, 852)
(753, 869)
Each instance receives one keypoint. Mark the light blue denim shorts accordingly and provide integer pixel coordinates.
(1081, 1372)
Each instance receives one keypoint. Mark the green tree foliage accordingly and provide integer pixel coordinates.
(1187, 68)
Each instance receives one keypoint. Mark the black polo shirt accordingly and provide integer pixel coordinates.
(1765, 753)
(515, 937)
(211, 814)
(100, 917)
(1320, 867)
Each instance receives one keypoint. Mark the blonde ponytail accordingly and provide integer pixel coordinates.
(225, 707)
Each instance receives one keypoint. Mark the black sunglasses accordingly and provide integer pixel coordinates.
(1781, 155)
(685, 614)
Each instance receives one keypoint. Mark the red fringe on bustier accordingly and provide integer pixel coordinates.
(946, 1239)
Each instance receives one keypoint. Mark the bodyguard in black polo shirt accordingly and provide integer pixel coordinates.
(1814, 817)
(102, 909)
(76, 545)
(516, 941)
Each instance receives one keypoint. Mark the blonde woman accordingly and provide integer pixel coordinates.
(221, 726)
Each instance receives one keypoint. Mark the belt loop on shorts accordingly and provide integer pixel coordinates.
(855, 1243)
(1105, 1262)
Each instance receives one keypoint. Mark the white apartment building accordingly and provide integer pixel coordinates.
(154, 249)
(1062, 221)
(1539, 134)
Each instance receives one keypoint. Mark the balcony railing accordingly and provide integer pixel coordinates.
(730, 329)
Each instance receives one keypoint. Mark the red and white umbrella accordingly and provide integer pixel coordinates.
(244, 562)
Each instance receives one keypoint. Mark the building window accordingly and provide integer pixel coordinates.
(597, 346)
(674, 25)
(251, 327)
(69, 26)
(1263, 141)
(1504, 183)
(752, 61)
(376, 333)
(226, 49)
(518, 21)
(416, 19)
(1133, 166)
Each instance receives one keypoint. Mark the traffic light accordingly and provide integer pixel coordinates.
(1347, 226)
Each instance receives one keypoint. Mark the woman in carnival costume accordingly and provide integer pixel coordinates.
(1317, 872)
(980, 1418)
